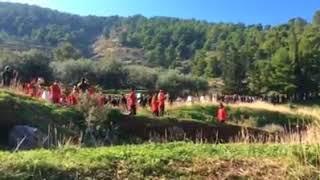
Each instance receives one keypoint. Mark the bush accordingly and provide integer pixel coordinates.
(30, 64)
(142, 77)
(111, 74)
(101, 127)
(176, 84)
(71, 71)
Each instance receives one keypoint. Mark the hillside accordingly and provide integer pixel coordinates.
(279, 60)
(22, 110)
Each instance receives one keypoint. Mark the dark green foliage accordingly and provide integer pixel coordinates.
(316, 18)
(30, 64)
(249, 58)
(71, 71)
(66, 52)
(178, 84)
(52, 27)
(142, 77)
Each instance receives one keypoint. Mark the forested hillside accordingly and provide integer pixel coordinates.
(255, 59)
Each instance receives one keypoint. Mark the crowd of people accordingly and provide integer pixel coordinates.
(58, 94)
(66, 96)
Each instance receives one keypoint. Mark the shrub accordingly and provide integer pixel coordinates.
(71, 71)
(176, 84)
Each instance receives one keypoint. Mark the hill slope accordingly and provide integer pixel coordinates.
(21, 110)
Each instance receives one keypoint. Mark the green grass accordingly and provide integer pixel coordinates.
(146, 161)
(17, 109)
(239, 115)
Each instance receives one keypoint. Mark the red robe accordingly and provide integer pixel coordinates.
(32, 89)
(72, 99)
(91, 91)
(154, 104)
(102, 100)
(55, 92)
(162, 99)
(132, 99)
(222, 115)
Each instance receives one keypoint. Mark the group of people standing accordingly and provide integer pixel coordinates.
(158, 103)
(56, 94)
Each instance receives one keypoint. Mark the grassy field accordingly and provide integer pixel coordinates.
(179, 160)
(173, 160)
(248, 115)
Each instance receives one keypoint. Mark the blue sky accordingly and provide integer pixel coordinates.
(246, 11)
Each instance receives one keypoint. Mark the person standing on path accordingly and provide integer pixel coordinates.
(222, 114)
(161, 99)
(132, 102)
(155, 105)
(55, 92)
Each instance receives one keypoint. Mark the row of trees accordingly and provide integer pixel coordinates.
(251, 59)
(106, 73)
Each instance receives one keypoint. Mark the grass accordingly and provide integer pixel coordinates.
(242, 115)
(22, 110)
(172, 160)
(168, 160)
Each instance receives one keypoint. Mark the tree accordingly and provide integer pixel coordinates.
(177, 84)
(72, 71)
(66, 52)
(34, 64)
(199, 63)
(142, 77)
(283, 73)
(213, 68)
(234, 72)
(316, 18)
(111, 74)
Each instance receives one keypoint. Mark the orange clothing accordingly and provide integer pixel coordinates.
(154, 104)
(72, 99)
(91, 91)
(132, 99)
(55, 92)
(32, 89)
(222, 115)
(102, 100)
(161, 98)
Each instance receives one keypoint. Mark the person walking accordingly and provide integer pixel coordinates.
(83, 85)
(155, 105)
(161, 99)
(132, 102)
(55, 92)
(222, 114)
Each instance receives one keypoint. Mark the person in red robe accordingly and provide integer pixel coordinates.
(222, 114)
(32, 91)
(55, 92)
(161, 99)
(73, 97)
(101, 100)
(155, 105)
(91, 91)
(132, 102)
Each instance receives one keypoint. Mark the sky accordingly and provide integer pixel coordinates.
(245, 11)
